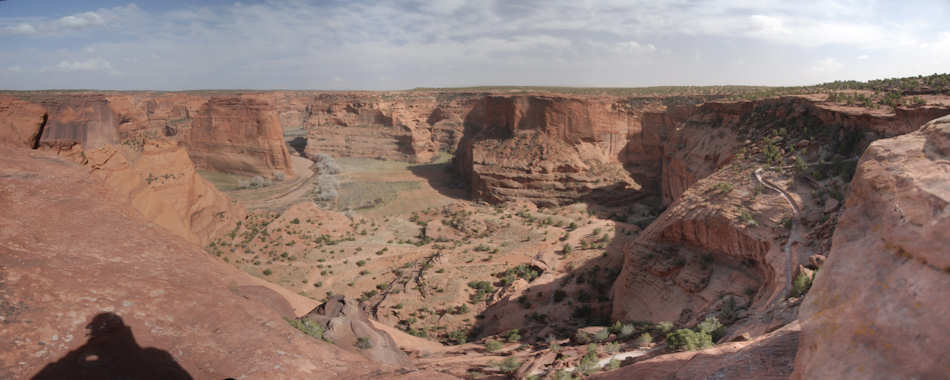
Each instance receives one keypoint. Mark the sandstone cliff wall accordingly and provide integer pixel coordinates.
(877, 309)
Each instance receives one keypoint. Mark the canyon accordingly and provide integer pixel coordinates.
(413, 230)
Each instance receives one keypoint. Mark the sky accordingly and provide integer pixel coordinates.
(392, 45)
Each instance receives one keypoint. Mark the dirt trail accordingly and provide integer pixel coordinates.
(795, 234)
(281, 195)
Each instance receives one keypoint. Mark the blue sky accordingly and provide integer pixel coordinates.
(297, 44)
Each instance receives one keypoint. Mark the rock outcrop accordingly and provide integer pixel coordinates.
(147, 296)
(238, 135)
(408, 127)
(160, 181)
(349, 327)
(548, 150)
(877, 309)
(766, 357)
(85, 120)
(21, 122)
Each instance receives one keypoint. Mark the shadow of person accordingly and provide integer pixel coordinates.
(112, 353)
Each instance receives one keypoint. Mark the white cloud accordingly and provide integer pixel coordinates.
(827, 65)
(82, 20)
(301, 44)
(15, 69)
(21, 28)
(92, 64)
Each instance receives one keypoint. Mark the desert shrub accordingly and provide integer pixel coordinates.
(601, 335)
(567, 249)
(747, 218)
(612, 347)
(326, 188)
(581, 337)
(308, 327)
(363, 343)
(267, 272)
(723, 188)
(482, 288)
(711, 326)
(588, 362)
(259, 182)
(508, 366)
(492, 345)
(612, 365)
(688, 340)
(325, 164)
(626, 331)
(663, 327)
(644, 339)
(279, 176)
(459, 336)
(800, 285)
(559, 295)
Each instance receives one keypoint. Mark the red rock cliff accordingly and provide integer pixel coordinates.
(545, 149)
(238, 135)
(877, 309)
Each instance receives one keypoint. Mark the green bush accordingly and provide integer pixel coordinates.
(513, 336)
(688, 340)
(644, 339)
(626, 331)
(509, 365)
(308, 327)
(663, 327)
(800, 285)
(492, 345)
(459, 336)
(601, 335)
(711, 326)
(612, 365)
(588, 362)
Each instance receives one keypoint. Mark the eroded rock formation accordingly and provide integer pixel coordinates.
(160, 181)
(94, 256)
(21, 122)
(877, 309)
(548, 150)
(238, 135)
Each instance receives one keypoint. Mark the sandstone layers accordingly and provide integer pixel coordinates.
(546, 150)
(226, 133)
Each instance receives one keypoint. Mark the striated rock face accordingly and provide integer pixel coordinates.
(877, 309)
(238, 135)
(548, 150)
(21, 122)
(399, 127)
(643, 155)
(155, 305)
(85, 120)
(700, 253)
(162, 184)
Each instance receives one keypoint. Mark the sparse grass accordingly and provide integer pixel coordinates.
(308, 327)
